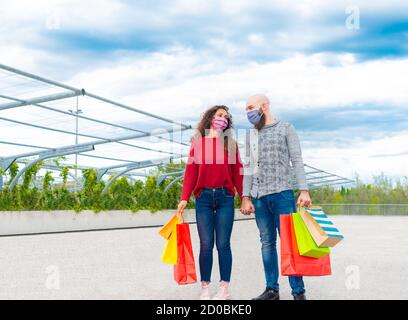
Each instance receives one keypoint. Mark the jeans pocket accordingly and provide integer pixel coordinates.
(227, 194)
(201, 194)
(288, 195)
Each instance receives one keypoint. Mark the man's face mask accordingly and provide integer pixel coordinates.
(255, 116)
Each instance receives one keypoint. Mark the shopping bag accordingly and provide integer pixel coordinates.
(307, 246)
(169, 254)
(184, 270)
(166, 230)
(292, 263)
(323, 231)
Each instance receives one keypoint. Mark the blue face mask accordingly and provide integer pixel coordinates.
(254, 116)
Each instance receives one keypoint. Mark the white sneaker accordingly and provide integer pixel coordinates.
(205, 291)
(223, 292)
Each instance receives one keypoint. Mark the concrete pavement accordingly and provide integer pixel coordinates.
(370, 263)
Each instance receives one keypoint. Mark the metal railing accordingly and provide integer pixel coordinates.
(365, 209)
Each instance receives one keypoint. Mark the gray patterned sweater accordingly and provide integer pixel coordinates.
(273, 160)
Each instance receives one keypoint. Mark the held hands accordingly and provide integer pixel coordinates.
(246, 206)
(304, 199)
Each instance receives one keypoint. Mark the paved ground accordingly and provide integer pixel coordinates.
(371, 263)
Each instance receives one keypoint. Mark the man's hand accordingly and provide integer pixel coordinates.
(246, 206)
(304, 199)
(181, 205)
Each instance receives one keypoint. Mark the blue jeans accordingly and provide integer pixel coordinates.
(215, 216)
(267, 211)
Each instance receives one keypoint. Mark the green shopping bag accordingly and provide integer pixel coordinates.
(307, 246)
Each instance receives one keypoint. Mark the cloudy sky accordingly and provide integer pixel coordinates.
(337, 70)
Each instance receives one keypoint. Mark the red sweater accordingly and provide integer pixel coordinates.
(210, 166)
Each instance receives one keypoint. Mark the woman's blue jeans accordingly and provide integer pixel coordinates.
(267, 211)
(215, 218)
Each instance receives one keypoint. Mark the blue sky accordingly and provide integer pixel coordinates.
(344, 89)
(151, 26)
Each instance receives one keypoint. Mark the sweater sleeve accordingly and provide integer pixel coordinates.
(190, 176)
(237, 174)
(295, 154)
(247, 173)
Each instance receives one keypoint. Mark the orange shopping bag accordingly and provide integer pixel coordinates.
(292, 263)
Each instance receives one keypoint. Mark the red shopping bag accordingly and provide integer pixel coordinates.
(292, 263)
(184, 270)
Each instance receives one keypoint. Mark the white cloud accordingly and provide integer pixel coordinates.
(298, 82)
(73, 14)
(366, 158)
(256, 39)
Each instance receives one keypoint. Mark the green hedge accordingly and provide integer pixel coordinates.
(383, 190)
(121, 194)
(148, 195)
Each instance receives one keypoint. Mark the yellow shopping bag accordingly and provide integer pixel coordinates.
(169, 231)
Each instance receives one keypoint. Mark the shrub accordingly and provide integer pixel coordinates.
(148, 195)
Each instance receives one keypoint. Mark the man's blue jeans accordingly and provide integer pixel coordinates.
(267, 211)
(215, 216)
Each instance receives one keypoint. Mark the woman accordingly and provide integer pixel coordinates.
(212, 172)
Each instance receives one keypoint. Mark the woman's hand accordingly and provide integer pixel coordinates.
(246, 206)
(181, 205)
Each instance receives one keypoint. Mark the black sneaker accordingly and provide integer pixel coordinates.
(299, 296)
(268, 294)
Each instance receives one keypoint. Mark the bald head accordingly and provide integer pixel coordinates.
(258, 102)
(258, 99)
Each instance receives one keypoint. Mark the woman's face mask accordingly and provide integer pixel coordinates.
(219, 123)
(255, 116)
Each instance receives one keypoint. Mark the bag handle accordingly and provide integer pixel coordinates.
(299, 207)
(180, 216)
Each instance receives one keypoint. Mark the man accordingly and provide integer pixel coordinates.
(274, 153)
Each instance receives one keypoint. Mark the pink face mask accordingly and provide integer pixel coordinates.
(219, 123)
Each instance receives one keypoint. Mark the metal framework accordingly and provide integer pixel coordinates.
(315, 178)
(41, 119)
(38, 117)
